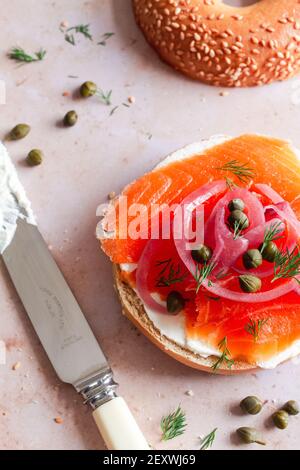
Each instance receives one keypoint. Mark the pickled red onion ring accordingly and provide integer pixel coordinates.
(142, 276)
(190, 203)
(266, 296)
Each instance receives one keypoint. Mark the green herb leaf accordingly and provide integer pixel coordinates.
(240, 170)
(254, 327)
(231, 185)
(287, 264)
(239, 226)
(104, 38)
(272, 234)
(173, 425)
(208, 440)
(170, 274)
(225, 357)
(202, 273)
(105, 97)
(83, 29)
(20, 55)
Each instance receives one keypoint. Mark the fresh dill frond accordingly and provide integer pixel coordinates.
(239, 226)
(105, 38)
(271, 234)
(202, 273)
(18, 54)
(225, 357)
(231, 185)
(241, 170)
(170, 274)
(83, 29)
(208, 440)
(254, 327)
(105, 97)
(173, 425)
(287, 264)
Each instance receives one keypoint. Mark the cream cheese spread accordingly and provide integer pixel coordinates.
(14, 203)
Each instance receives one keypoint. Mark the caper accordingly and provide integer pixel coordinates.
(70, 118)
(280, 419)
(88, 89)
(249, 283)
(250, 435)
(202, 254)
(175, 302)
(19, 132)
(269, 252)
(236, 204)
(238, 217)
(251, 405)
(35, 157)
(291, 407)
(252, 259)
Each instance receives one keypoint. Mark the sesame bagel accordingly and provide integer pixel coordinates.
(222, 45)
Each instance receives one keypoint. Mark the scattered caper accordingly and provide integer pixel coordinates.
(249, 283)
(280, 419)
(88, 89)
(19, 132)
(35, 157)
(291, 407)
(238, 217)
(269, 252)
(202, 254)
(251, 405)
(175, 302)
(70, 118)
(236, 204)
(250, 435)
(252, 259)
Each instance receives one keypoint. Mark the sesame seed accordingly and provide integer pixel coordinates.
(237, 17)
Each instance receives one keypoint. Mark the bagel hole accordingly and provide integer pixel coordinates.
(240, 3)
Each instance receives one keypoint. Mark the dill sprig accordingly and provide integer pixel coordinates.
(18, 54)
(173, 425)
(287, 264)
(83, 29)
(240, 170)
(271, 235)
(208, 440)
(231, 185)
(105, 97)
(170, 273)
(225, 357)
(239, 226)
(254, 327)
(202, 273)
(105, 38)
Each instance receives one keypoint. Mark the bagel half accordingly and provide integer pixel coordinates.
(149, 322)
(222, 45)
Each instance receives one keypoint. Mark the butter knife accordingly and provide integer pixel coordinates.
(66, 336)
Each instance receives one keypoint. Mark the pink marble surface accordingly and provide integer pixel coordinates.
(82, 165)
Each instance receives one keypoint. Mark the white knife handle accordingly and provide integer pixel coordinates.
(118, 427)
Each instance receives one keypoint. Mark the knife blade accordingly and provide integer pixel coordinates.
(66, 336)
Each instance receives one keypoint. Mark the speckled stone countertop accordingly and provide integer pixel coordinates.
(82, 165)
